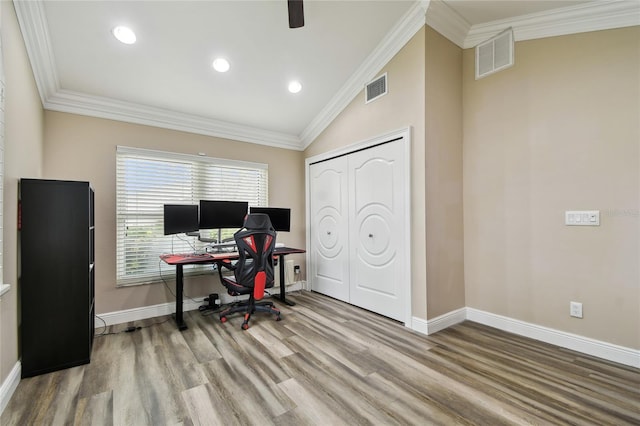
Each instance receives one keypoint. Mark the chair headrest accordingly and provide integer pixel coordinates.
(256, 221)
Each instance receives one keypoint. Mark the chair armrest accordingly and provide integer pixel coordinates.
(227, 264)
(224, 266)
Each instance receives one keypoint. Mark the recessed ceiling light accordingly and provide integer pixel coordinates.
(124, 34)
(221, 65)
(295, 86)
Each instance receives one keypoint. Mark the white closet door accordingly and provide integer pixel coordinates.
(377, 229)
(328, 205)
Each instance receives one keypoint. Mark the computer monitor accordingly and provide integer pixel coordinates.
(179, 218)
(280, 218)
(219, 214)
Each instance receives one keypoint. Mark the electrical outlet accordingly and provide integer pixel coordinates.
(575, 309)
(296, 269)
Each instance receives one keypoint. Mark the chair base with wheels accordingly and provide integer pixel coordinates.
(249, 307)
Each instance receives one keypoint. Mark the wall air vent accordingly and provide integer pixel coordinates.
(494, 54)
(376, 88)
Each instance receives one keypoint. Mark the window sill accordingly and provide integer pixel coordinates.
(4, 288)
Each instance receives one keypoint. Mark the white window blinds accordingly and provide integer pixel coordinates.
(146, 180)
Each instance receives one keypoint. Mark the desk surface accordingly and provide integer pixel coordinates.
(194, 258)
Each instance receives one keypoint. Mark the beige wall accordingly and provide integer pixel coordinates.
(84, 148)
(443, 176)
(23, 157)
(558, 131)
(402, 107)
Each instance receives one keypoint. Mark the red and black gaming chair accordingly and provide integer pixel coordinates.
(253, 272)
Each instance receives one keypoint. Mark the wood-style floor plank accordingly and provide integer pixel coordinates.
(326, 363)
(96, 410)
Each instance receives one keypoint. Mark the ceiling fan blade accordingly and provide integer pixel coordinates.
(296, 13)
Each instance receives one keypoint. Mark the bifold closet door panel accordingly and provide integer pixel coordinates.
(377, 228)
(328, 204)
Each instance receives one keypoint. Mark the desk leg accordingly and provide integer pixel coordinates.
(179, 284)
(282, 296)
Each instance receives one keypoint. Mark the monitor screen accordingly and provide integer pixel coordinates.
(179, 218)
(222, 214)
(280, 218)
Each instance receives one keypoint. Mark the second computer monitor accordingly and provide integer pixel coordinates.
(220, 214)
(280, 218)
(179, 218)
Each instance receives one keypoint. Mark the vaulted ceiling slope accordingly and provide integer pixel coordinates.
(166, 80)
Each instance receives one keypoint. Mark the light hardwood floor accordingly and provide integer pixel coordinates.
(326, 363)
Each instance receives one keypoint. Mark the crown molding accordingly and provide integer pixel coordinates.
(95, 106)
(447, 22)
(408, 26)
(35, 32)
(592, 16)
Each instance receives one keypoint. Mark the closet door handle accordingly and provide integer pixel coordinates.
(370, 235)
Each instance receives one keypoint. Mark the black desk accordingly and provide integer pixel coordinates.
(179, 260)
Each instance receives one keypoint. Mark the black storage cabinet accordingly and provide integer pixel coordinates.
(57, 274)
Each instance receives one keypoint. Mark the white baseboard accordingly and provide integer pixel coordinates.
(585, 345)
(439, 323)
(136, 314)
(295, 286)
(446, 320)
(419, 325)
(597, 348)
(189, 304)
(9, 386)
(4, 288)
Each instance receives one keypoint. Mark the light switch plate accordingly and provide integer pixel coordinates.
(575, 309)
(582, 217)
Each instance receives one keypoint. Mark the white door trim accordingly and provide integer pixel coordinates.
(405, 135)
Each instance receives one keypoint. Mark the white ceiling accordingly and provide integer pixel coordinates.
(166, 78)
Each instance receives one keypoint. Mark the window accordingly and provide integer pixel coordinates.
(146, 180)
